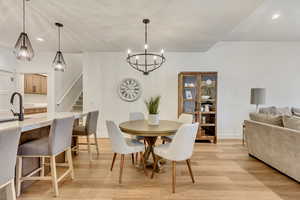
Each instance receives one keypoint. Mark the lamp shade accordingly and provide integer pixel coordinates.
(258, 96)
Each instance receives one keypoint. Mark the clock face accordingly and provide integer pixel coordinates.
(129, 89)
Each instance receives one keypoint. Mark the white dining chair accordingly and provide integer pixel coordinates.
(123, 147)
(180, 149)
(183, 118)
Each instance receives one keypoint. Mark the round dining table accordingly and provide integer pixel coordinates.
(150, 132)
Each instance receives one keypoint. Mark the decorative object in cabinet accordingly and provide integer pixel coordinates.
(197, 95)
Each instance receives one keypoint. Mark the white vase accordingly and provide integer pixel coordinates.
(153, 119)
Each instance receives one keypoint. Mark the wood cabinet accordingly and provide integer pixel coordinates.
(197, 95)
(35, 84)
(29, 111)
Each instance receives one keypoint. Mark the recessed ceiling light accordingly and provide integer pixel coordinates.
(275, 16)
(40, 39)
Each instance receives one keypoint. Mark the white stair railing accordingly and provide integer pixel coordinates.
(69, 90)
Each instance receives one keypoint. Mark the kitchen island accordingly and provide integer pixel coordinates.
(33, 127)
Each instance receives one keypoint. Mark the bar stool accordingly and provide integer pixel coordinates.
(9, 140)
(58, 141)
(86, 131)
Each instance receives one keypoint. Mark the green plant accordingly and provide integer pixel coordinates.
(152, 105)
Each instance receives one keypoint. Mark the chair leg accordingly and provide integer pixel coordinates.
(18, 175)
(144, 163)
(113, 161)
(70, 162)
(154, 166)
(136, 157)
(188, 162)
(42, 165)
(89, 147)
(10, 190)
(121, 168)
(163, 141)
(132, 158)
(96, 143)
(54, 175)
(173, 176)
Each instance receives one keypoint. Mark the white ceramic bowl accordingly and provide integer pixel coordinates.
(205, 97)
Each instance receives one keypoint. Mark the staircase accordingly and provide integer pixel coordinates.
(78, 106)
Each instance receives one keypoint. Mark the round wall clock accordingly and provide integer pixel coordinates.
(130, 90)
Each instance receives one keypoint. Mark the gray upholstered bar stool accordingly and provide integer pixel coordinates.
(9, 140)
(58, 141)
(89, 129)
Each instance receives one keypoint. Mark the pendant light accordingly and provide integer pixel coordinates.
(59, 63)
(23, 49)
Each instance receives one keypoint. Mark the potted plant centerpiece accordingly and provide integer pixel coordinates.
(152, 106)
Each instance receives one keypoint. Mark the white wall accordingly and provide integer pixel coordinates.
(241, 66)
(7, 84)
(57, 81)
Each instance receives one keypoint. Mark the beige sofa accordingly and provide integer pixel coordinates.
(277, 146)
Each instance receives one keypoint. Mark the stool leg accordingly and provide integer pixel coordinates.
(19, 175)
(42, 165)
(96, 143)
(10, 191)
(89, 147)
(70, 162)
(54, 175)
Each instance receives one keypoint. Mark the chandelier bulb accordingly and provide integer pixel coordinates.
(146, 46)
(128, 51)
(162, 51)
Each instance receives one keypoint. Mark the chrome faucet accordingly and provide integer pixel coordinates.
(21, 114)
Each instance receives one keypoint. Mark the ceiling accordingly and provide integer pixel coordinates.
(260, 26)
(115, 25)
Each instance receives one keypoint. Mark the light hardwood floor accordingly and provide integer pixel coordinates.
(222, 171)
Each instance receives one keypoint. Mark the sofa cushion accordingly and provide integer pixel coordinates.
(267, 118)
(296, 111)
(284, 111)
(291, 122)
(268, 110)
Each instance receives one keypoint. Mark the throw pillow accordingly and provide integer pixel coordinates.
(291, 122)
(296, 111)
(268, 110)
(267, 118)
(284, 111)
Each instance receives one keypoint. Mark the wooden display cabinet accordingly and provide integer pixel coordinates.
(197, 95)
(35, 84)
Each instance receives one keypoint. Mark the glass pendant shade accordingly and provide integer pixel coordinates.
(23, 48)
(59, 63)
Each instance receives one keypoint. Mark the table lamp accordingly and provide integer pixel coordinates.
(258, 96)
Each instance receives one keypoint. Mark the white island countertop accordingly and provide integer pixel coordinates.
(36, 121)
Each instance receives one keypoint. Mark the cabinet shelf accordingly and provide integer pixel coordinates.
(207, 124)
(211, 112)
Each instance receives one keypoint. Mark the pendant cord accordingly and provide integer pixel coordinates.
(58, 38)
(24, 16)
(146, 43)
